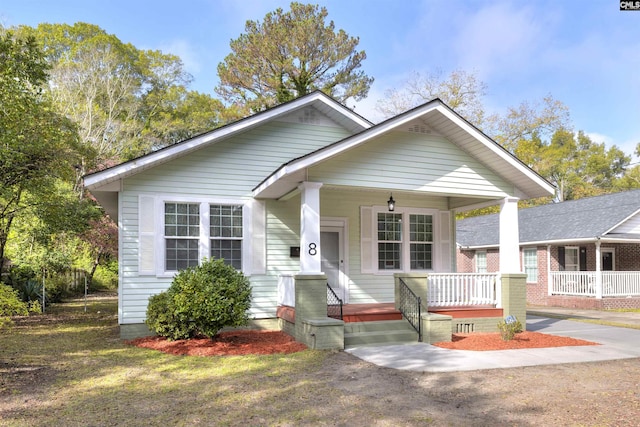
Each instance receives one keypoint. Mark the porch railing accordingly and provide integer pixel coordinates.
(462, 289)
(410, 307)
(584, 283)
(334, 304)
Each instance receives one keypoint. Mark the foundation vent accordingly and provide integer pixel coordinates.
(465, 328)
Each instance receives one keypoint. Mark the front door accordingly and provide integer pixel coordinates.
(607, 259)
(332, 262)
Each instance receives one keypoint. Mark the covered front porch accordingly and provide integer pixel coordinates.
(427, 308)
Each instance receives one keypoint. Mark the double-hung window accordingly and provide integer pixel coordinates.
(530, 262)
(405, 241)
(225, 232)
(571, 258)
(193, 230)
(182, 232)
(389, 241)
(481, 262)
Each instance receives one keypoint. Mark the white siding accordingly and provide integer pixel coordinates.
(631, 226)
(227, 169)
(412, 162)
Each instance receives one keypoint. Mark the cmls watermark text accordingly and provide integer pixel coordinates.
(629, 5)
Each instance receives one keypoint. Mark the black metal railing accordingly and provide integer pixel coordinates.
(410, 307)
(334, 304)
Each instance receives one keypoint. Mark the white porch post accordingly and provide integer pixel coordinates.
(509, 236)
(310, 228)
(598, 270)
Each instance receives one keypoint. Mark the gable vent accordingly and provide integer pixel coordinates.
(420, 129)
(308, 115)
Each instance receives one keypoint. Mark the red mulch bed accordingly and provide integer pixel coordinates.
(271, 342)
(225, 344)
(493, 341)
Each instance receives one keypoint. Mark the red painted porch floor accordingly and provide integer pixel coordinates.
(387, 311)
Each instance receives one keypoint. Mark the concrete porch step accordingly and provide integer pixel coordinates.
(378, 333)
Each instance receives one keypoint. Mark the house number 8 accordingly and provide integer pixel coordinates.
(313, 249)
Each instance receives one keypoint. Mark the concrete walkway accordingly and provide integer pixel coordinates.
(615, 343)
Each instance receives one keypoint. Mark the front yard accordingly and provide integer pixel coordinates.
(70, 368)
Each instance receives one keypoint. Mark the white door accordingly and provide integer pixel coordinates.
(332, 262)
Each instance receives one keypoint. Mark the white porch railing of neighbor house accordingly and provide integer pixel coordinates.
(462, 289)
(583, 283)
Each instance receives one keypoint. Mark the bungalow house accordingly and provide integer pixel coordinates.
(309, 199)
(582, 253)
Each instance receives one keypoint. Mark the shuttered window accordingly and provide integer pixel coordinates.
(226, 234)
(181, 231)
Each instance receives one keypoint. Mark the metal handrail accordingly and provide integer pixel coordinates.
(334, 304)
(410, 307)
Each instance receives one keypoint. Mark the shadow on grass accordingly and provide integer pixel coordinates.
(96, 379)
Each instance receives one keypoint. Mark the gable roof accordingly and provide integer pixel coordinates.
(437, 115)
(100, 181)
(585, 219)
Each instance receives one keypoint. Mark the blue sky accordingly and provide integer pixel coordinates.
(585, 53)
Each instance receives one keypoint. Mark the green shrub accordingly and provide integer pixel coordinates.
(200, 302)
(509, 327)
(105, 278)
(10, 305)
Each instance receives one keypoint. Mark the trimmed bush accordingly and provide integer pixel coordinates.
(10, 305)
(200, 302)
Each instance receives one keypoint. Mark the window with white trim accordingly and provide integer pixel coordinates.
(481, 262)
(530, 262)
(193, 230)
(181, 233)
(225, 231)
(571, 258)
(404, 241)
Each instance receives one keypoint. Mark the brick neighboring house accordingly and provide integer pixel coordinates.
(580, 254)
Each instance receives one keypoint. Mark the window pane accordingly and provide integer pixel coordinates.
(421, 256)
(389, 256)
(229, 250)
(390, 227)
(225, 221)
(180, 254)
(182, 219)
(420, 228)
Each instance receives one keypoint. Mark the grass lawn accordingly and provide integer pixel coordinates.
(72, 369)
(69, 368)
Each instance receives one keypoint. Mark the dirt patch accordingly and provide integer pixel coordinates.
(493, 341)
(225, 344)
(269, 342)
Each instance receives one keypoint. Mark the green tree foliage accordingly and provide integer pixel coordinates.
(580, 167)
(126, 101)
(38, 145)
(290, 54)
(200, 301)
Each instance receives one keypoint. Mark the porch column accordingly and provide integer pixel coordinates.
(509, 236)
(310, 228)
(598, 270)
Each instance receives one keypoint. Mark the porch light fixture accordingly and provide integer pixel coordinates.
(391, 203)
